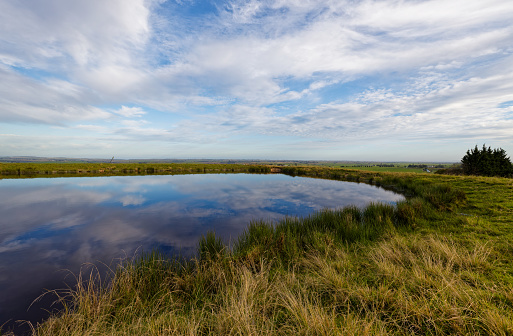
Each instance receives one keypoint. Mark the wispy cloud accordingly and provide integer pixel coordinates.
(130, 112)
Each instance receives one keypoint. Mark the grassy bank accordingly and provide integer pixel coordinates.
(436, 264)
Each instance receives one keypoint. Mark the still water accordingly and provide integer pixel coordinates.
(51, 227)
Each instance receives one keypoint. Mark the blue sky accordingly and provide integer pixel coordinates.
(388, 80)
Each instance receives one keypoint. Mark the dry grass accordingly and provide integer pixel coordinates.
(424, 286)
(400, 286)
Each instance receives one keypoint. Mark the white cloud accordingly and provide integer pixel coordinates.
(431, 107)
(414, 19)
(52, 102)
(345, 41)
(132, 200)
(243, 12)
(90, 31)
(130, 112)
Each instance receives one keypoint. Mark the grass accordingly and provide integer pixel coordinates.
(394, 167)
(398, 169)
(438, 263)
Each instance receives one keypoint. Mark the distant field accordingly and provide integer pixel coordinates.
(54, 165)
(33, 169)
(393, 167)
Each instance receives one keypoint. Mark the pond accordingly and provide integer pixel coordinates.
(51, 227)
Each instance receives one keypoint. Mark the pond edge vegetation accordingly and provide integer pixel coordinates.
(403, 269)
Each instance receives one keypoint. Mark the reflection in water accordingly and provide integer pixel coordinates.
(51, 225)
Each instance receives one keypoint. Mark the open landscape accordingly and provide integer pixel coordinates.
(256, 167)
(435, 264)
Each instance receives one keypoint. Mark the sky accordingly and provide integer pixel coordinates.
(369, 80)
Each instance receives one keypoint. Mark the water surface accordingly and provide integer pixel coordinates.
(56, 224)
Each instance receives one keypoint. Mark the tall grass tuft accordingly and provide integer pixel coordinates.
(211, 247)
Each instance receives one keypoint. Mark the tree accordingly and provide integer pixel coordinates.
(487, 162)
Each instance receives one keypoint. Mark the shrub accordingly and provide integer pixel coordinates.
(487, 162)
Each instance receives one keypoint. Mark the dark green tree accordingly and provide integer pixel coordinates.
(487, 162)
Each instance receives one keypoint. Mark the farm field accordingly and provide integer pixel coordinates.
(399, 167)
(436, 264)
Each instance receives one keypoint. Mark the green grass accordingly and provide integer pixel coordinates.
(438, 263)
(400, 169)
(396, 167)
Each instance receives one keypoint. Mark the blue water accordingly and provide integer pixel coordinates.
(51, 227)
